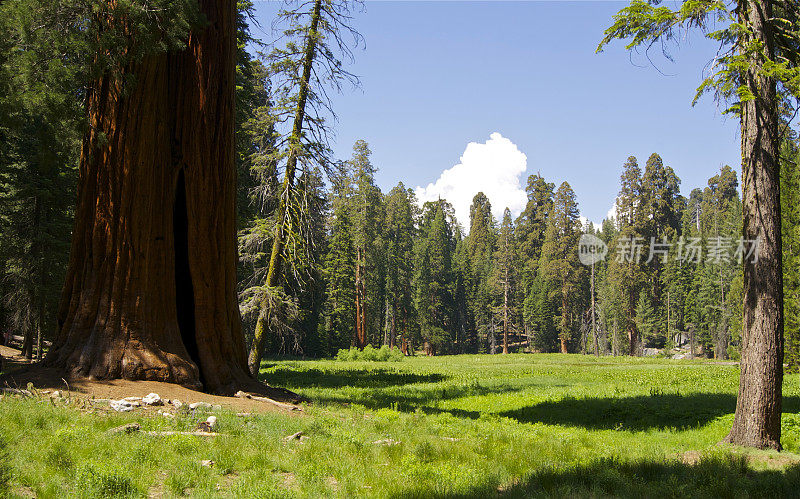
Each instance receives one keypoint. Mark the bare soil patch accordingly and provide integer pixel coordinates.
(43, 378)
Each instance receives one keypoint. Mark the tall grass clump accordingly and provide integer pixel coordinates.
(5, 469)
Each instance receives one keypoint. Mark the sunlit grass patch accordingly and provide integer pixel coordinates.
(470, 426)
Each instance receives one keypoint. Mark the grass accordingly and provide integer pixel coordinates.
(465, 426)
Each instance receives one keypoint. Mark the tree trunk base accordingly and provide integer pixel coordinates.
(742, 439)
(132, 363)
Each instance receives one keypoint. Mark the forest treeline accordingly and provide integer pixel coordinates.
(366, 267)
(388, 271)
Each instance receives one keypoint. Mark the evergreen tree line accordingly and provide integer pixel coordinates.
(387, 271)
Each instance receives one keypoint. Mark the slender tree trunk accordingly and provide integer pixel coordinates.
(39, 327)
(282, 225)
(505, 313)
(150, 291)
(360, 340)
(27, 342)
(669, 308)
(393, 327)
(564, 322)
(404, 334)
(757, 422)
(357, 335)
(594, 322)
(388, 322)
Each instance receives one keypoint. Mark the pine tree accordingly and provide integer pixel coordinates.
(301, 71)
(480, 247)
(661, 204)
(365, 217)
(505, 275)
(434, 279)
(339, 272)
(399, 237)
(560, 263)
(626, 271)
(529, 231)
(41, 122)
(790, 226)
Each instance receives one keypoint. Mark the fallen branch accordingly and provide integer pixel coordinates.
(288, 407)
(16, 391)
(191, 433)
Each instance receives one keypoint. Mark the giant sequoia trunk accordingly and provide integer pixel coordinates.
(150, 292)
(757, 422)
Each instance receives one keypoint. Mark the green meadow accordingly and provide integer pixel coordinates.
(515, 425)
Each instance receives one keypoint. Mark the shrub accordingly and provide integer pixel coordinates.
(105, 481)
(371, 354)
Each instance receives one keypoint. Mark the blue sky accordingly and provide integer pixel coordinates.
(437, 76)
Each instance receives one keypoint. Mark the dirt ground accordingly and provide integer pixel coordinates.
(22, 372)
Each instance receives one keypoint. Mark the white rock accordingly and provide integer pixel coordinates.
(199, 405)
(177, 403)
(56, 394)
(122, 405)
(212, 422)
(152, 399)
(132, 399)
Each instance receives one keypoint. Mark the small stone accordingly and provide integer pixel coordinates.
(199, 405)
(242, 395)
(132, 399)
(212, 422)
(177, 403)
(152, 399)
(208, 463)
(56, 394)
(126, 428)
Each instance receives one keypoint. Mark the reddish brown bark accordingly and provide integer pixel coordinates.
(361, 329)
(757, 422)
(151, 282)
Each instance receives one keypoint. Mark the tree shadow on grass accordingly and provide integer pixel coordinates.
(412, 398)
(364, 378)
(657, 411)
(724, 475)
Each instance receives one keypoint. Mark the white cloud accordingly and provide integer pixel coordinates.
(495, 168)
(612, 213)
